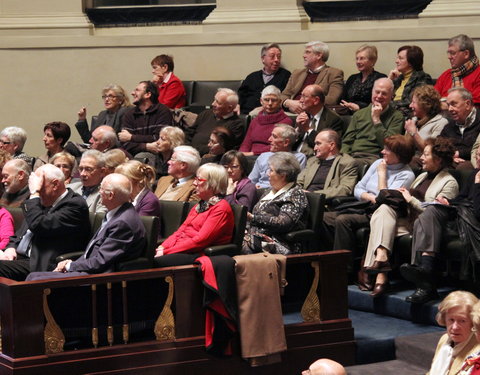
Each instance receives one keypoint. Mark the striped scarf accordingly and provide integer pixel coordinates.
(462, 71)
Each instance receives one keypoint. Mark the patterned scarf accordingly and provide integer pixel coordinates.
(462, 71)
(203, 206)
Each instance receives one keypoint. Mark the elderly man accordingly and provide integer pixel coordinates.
(463, 127)
(282, 139)
(178, 185)
(465, 71)
(329, 172)
(271, 74)
(56, 222)
(121, 236)
(142, 123)
(12, 140)
(92, 171)
(15, 174)
(369, 126)
(103, 138)
(325, 366)
(221, 114)
(315, 117)
(315, 72)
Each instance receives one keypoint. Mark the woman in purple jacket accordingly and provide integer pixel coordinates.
(240, 189)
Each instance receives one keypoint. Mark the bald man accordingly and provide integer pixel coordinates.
(325, 366)
(121, 236)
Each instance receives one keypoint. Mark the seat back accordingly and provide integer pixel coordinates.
(172, 215)
(189, 87)
(17, 215)
(152, 227)
(96, 219)
(204, 91)
(240, 222)
(316, 203)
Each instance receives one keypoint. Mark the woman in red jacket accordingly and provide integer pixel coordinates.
(209, 223)
(170, 89)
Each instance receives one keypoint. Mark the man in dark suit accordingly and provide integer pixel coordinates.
(314, 118)
(121, 236)
(56, 222)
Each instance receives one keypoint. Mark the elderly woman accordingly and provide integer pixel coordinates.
(259, 130)
(170, 89)
(12, 140)
(116, 103)
(66, 163)
(387, 222)
(56, 134)
(221, 140)
(407, 75)
(169, 138)
(141, 176)
(113, 158)
(454, 312)
(280, 210)
(240, 189)
(471, 365)
(357, 93)
(209, 223)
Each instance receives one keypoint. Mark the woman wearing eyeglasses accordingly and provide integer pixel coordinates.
(115, 101)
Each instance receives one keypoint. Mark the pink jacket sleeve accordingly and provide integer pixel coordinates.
(6, 227)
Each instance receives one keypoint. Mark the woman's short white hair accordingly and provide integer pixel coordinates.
(271, 90)
(16, 135)
(216, 176)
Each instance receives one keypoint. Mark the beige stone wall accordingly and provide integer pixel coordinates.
(53, 61)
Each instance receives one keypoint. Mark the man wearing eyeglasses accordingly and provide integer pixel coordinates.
(465, 71)
(92, 171)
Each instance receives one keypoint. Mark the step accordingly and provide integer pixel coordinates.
(418, 349)
(395, 367)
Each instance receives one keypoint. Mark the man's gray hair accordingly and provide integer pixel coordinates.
(232, 96)
(108, 135)
(119, 184)
(271, 90)
(320, 47)
(332, 136)
(384, 79)
(20, 165)
(188, 155)
(288, 132)
(268, 46)
(16, 135)
(286, 164)
(464, 93)
(97, 155)
(52, 173)
(464, 42)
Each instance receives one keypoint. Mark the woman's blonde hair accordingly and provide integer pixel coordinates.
(459, 298)
(137, 172)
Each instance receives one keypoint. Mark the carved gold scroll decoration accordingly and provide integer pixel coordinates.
(165, 324)
(53, 335)
(311, 307)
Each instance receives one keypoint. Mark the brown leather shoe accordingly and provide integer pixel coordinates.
(364, 282)
(378, 267)
(379, 289)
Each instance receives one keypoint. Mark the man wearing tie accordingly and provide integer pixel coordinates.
(121, 236)
(56, 222)
(314, 118)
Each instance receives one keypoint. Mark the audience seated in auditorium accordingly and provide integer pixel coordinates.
(221, 140)
(271, 74)
(92, 171)
(169, 138)
(315, 72)
(454, 313)
(116, 103)
(427, 122)
(471, 365)
(12, 140)
(113, 158)
(240, 189)
(56, 134)
(56, 222)
(465, 71)
(363, 139)
(463, 127)
(357, 92)
(407, 75)
(221, 114)
(390, 172)
(15, 174)
(65, 162)
(395, 219)
(178, 185)
(325, 366)
(280, 210)
(282, 138)
(315, 117)
(261, 126)
(210, 222)
(170, 89)
(120, 237)
(329, 172)
(462, 212)
(142, 123)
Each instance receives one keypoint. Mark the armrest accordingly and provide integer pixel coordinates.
(73, 255)
(141, 263)
(299, 235)
(337, 201)
(229, 249)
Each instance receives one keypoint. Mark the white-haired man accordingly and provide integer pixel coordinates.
(56, 222)
(315, 72)
(15, 174)
(221, 114)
